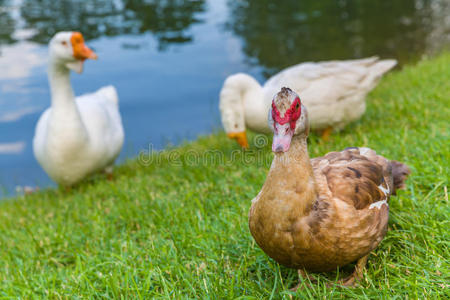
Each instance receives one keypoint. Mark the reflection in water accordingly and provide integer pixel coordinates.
(167, 20)
(18, 62)
(7, 24)
(12, 148)
(278, 34)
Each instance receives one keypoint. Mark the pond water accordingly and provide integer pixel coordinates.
(168, 58)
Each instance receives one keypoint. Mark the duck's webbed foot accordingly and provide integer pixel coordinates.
(326, 133)
(303, 277)
(357, 275)
(109, 171)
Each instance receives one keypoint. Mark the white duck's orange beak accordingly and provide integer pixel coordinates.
(240, 137)
(80, 50)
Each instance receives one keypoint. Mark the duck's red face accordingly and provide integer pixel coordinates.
(284, 126)
(290, 116)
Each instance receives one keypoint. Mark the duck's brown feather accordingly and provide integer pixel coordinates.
(354, 178)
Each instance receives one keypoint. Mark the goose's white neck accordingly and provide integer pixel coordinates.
(241, 103)
(65, 120)
(60, 88)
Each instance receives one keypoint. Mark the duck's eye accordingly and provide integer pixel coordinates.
(297, 106)
(64, 43)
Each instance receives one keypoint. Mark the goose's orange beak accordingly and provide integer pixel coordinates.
(240, 137)
(80, 50)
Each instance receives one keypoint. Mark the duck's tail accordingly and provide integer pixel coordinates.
(382, 66)
(400, 172)
(375, 70)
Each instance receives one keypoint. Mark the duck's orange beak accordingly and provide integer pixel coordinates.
(80, 50)
(240, 137)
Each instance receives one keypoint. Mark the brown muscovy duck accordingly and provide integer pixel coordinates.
(322, 213)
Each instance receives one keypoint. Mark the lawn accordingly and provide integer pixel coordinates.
(174, 224)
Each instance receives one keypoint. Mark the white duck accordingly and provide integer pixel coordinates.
(76, 137)
(333, 91)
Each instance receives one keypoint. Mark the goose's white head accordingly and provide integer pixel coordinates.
(67, 48)
(287, 117)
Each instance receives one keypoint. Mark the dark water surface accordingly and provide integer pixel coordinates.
(168, 59)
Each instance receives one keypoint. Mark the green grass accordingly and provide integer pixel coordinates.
(178, 229)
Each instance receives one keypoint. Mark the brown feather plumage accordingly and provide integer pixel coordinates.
(322, 213)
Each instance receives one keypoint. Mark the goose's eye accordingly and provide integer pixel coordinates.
(64, 43)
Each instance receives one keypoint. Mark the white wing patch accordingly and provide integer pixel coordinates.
(378, 204)
(385, 191)
(363, 151)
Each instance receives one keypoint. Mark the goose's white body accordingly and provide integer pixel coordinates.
(333, 92)
(77, 136)
(69, 145)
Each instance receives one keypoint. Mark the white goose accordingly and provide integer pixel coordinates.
(76, 137)
(333, 91)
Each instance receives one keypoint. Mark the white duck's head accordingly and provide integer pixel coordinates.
(68, 49)
(287, 117)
